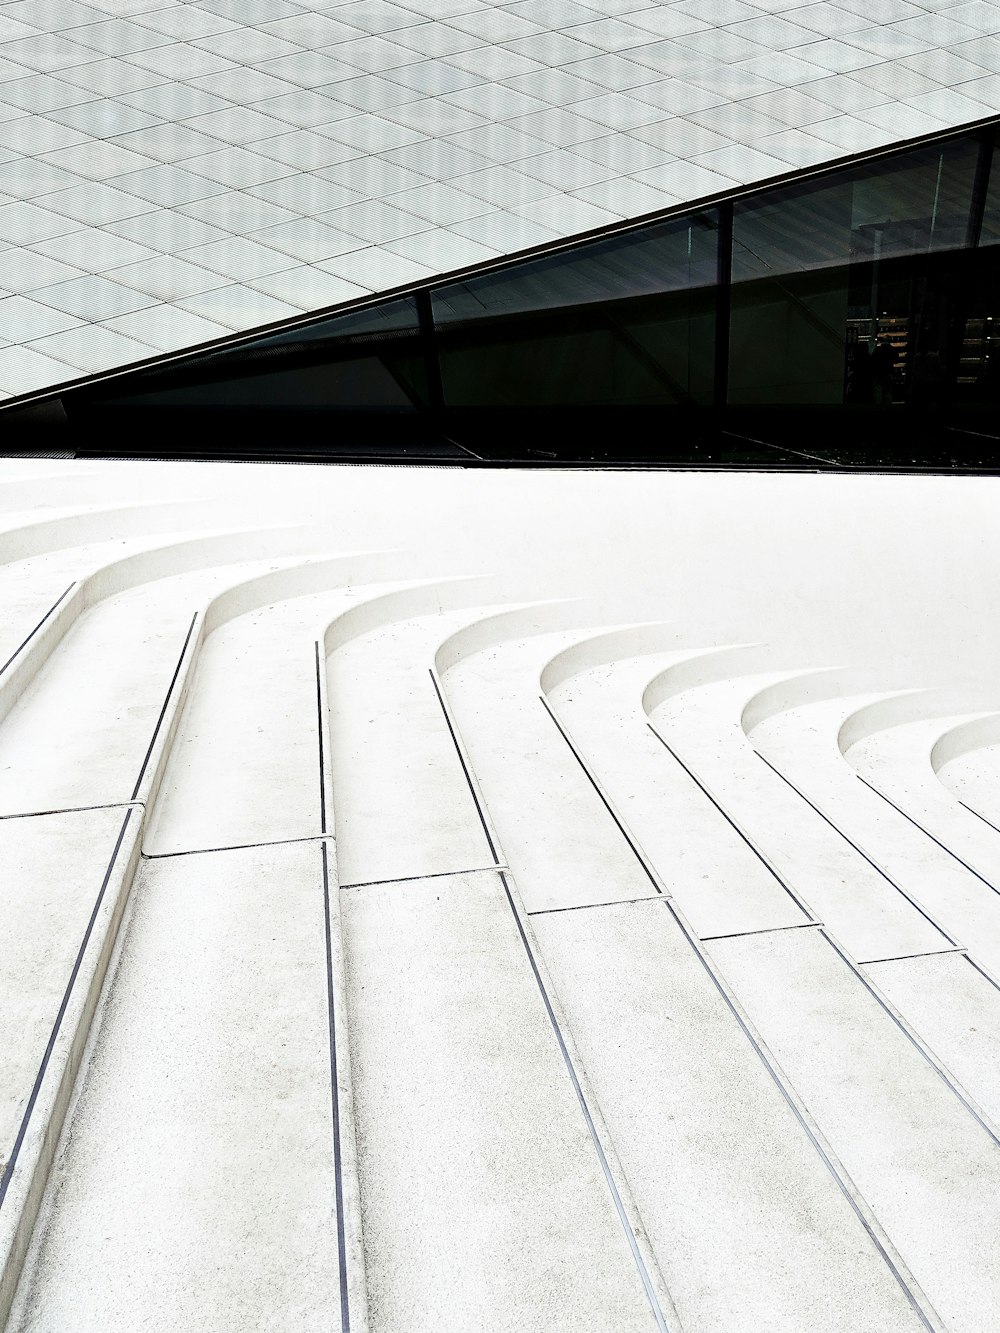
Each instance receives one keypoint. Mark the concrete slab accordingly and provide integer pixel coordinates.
(195, 1186)
(54, 744)
(750, 1229)
(402, 803)
(558, 837)
(721, 885)
(865, 912)
(53, 869)
(956, 1010)
(803, 745)
(250, 724)
(900, 760)
(484, 1204)
(927, 1168)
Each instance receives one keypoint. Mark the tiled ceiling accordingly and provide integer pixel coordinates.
(171, 174)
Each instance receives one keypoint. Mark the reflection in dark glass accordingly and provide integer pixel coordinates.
(990, 234)
(859, 286)
(390, 317)
(909, 204)
(817, 316)
(628, 320)
(667, 256)
(363, 382)
(368, 358)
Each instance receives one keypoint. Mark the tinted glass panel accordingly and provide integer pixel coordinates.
(364, 382)
(666, 257)
(392, 317)
(990, 234)
(909, 204)
(628, 321)
(830, 278)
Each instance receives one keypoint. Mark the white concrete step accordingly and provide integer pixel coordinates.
(448, 996)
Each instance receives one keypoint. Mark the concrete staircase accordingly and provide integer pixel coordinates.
(504, 901)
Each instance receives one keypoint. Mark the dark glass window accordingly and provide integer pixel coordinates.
(626, 320)
(828, 276)
(368, 358)
(990, 234)
(858, 286)
(390, 317)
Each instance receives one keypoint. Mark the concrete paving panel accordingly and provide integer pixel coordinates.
(956, 1011)
(250, 724)
(750, 1229)
(865, 912)
(52, 870)
(195, 1185)
(802, 744)
(401, 800)
(108, 678)
(559, 839)
(928, 1170)
(721, 885)
(483, 1201)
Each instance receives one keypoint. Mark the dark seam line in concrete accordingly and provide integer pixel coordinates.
(613, 902)
(646, 867)
(988, 822)
(465, 767)
(163, 710)
(863, 854)
(830, 1165)
(736, 829)
(21, 646)
(9, 1170)
(764, 930)
(235, 847)
(591, 1127)
(322, 755)
(609, 1178)
(345, 1311)
(71, 810)
(941, 1072)
(982, 972)
(927, 834)
(413, 879)
(903, 957)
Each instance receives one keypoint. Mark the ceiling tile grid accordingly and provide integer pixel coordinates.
(174, 173)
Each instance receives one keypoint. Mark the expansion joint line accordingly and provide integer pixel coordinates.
(338, 1172)
(8, 1172)
(893, 1261)
(331, 990)
(855, 847)
(737, 829)
(972, 811)
(927, 834)
(321, 729)
(640, 1263)
(857, 968)
(643, 860)
(163, 710)
(913, 1037)
(50, 612)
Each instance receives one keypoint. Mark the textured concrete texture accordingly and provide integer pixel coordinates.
(509, 901)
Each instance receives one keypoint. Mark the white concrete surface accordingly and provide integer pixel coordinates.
(622, 1038)
(201, 1142)
(483, 1202)
(748, 1224)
